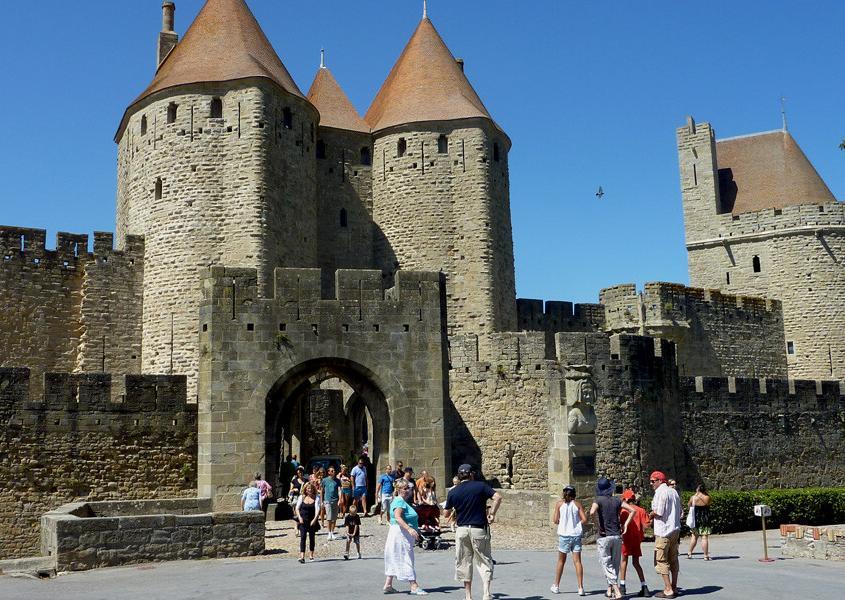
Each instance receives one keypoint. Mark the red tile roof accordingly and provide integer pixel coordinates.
(335, 108)
(767, 170)
(425, 84)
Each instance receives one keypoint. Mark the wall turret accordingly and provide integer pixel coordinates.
(215, 164)
(440, 185)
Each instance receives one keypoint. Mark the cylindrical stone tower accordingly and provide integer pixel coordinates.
(215, 166)
(440, 185)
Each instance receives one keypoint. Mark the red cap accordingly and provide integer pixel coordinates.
(628, 495)
(658, 475)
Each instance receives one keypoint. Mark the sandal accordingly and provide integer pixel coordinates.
(707, 557)
(389, 590)
(689, 554)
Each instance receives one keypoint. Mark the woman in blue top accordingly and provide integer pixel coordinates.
(399, 548)
(251, 498)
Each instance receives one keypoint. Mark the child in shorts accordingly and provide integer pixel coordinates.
(352, 522)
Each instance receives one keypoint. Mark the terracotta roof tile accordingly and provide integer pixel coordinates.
(224, 43)
(426, 84)
(335, 108)
(767, 170)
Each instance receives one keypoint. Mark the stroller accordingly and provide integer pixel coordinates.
(429, 520)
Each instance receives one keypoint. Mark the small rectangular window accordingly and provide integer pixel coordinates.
(790, 348)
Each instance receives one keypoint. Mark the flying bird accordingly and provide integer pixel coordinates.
(600, 193)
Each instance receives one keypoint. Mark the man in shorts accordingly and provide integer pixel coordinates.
(384, 493)
(359, 492)
(666, 513)
(331, 495)
(472, 538)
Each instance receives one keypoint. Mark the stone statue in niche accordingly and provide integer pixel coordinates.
(580, 399)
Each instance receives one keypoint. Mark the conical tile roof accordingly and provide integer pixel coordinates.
(224, 43)
(767, 170)
(426, 84)
(335, 108)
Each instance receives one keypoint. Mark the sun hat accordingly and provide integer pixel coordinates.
(604, 487)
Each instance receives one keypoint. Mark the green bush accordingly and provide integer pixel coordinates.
(732, 511)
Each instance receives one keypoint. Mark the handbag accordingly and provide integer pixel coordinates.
(691, 517)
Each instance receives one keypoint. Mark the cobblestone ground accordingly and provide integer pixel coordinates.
(283, 538)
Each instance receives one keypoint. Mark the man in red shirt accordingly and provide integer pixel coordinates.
(631, 541)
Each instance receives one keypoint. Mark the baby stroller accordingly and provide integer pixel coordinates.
(429, 519)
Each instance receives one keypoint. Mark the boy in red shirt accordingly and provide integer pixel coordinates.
(631, 541)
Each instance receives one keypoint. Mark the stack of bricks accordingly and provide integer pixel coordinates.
(822, 543)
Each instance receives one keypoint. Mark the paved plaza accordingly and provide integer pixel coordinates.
(734, 574)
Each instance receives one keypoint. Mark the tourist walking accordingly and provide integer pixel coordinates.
(296, 484)
(307, 512)
(359, 479)
(699, 506)
(384, 494)
(570, 518)
(251, 497)
(331, 496)
(352, 522)
(632, 543)
(399, 473)
(605, 511)
(472, 536)
(345, 490)
(666, 514)
(401, 537)
(265, 490)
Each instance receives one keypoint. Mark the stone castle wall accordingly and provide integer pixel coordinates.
(510, 399)
(238, 190)
(449, 211)
(69, 309)
(731, 433)
(74, 442)
(344, 203)
(714, 333)
(799, 250)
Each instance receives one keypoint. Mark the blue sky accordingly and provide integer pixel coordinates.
(590, 92)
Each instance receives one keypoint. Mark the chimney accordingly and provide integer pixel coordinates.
(460, 62)
(168, 38)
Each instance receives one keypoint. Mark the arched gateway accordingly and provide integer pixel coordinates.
(297, 373)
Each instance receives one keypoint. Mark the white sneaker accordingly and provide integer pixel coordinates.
(555, 589)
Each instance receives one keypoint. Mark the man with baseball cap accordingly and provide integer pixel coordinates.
(666, 512)
(472, 537)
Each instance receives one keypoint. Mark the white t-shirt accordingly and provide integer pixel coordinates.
(667, 504)
(570, 520)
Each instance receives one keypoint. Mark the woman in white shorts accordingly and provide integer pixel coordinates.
(570, 519)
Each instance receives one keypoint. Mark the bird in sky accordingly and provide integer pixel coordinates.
(600, 193)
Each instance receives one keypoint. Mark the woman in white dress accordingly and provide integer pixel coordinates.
(403, 534)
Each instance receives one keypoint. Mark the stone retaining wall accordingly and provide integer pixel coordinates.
(84, 536)
(826, 543)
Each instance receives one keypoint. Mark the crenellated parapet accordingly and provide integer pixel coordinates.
(82, 402)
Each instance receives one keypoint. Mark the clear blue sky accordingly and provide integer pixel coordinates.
(590, 93)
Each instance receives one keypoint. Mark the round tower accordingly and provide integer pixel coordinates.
(215, 167)
(440, 185)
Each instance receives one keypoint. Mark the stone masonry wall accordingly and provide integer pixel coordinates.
(714, 333)
(506, 400)
(449, 212)
(345, 203)
(238, 190)
(89, 535)
(799, 249)
(758, 433)
(68, 309)
(75, 442)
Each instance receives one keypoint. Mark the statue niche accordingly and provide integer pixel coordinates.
(580, 399)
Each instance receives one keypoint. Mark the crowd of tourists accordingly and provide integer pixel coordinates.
(620, 530)
(325, 496)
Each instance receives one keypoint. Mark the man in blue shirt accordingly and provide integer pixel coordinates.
(384, 494)
(472, 537)
(359, 492)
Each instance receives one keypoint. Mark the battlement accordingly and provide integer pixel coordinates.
(555, 315)
(776, 396)
(506, 352)
(19, 244)
(82, 401)
(801, 218)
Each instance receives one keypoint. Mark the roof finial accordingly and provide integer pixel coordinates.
(425, 9)
(783, 112)
(322, 58)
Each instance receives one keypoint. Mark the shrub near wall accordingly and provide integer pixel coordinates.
(734, 511)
